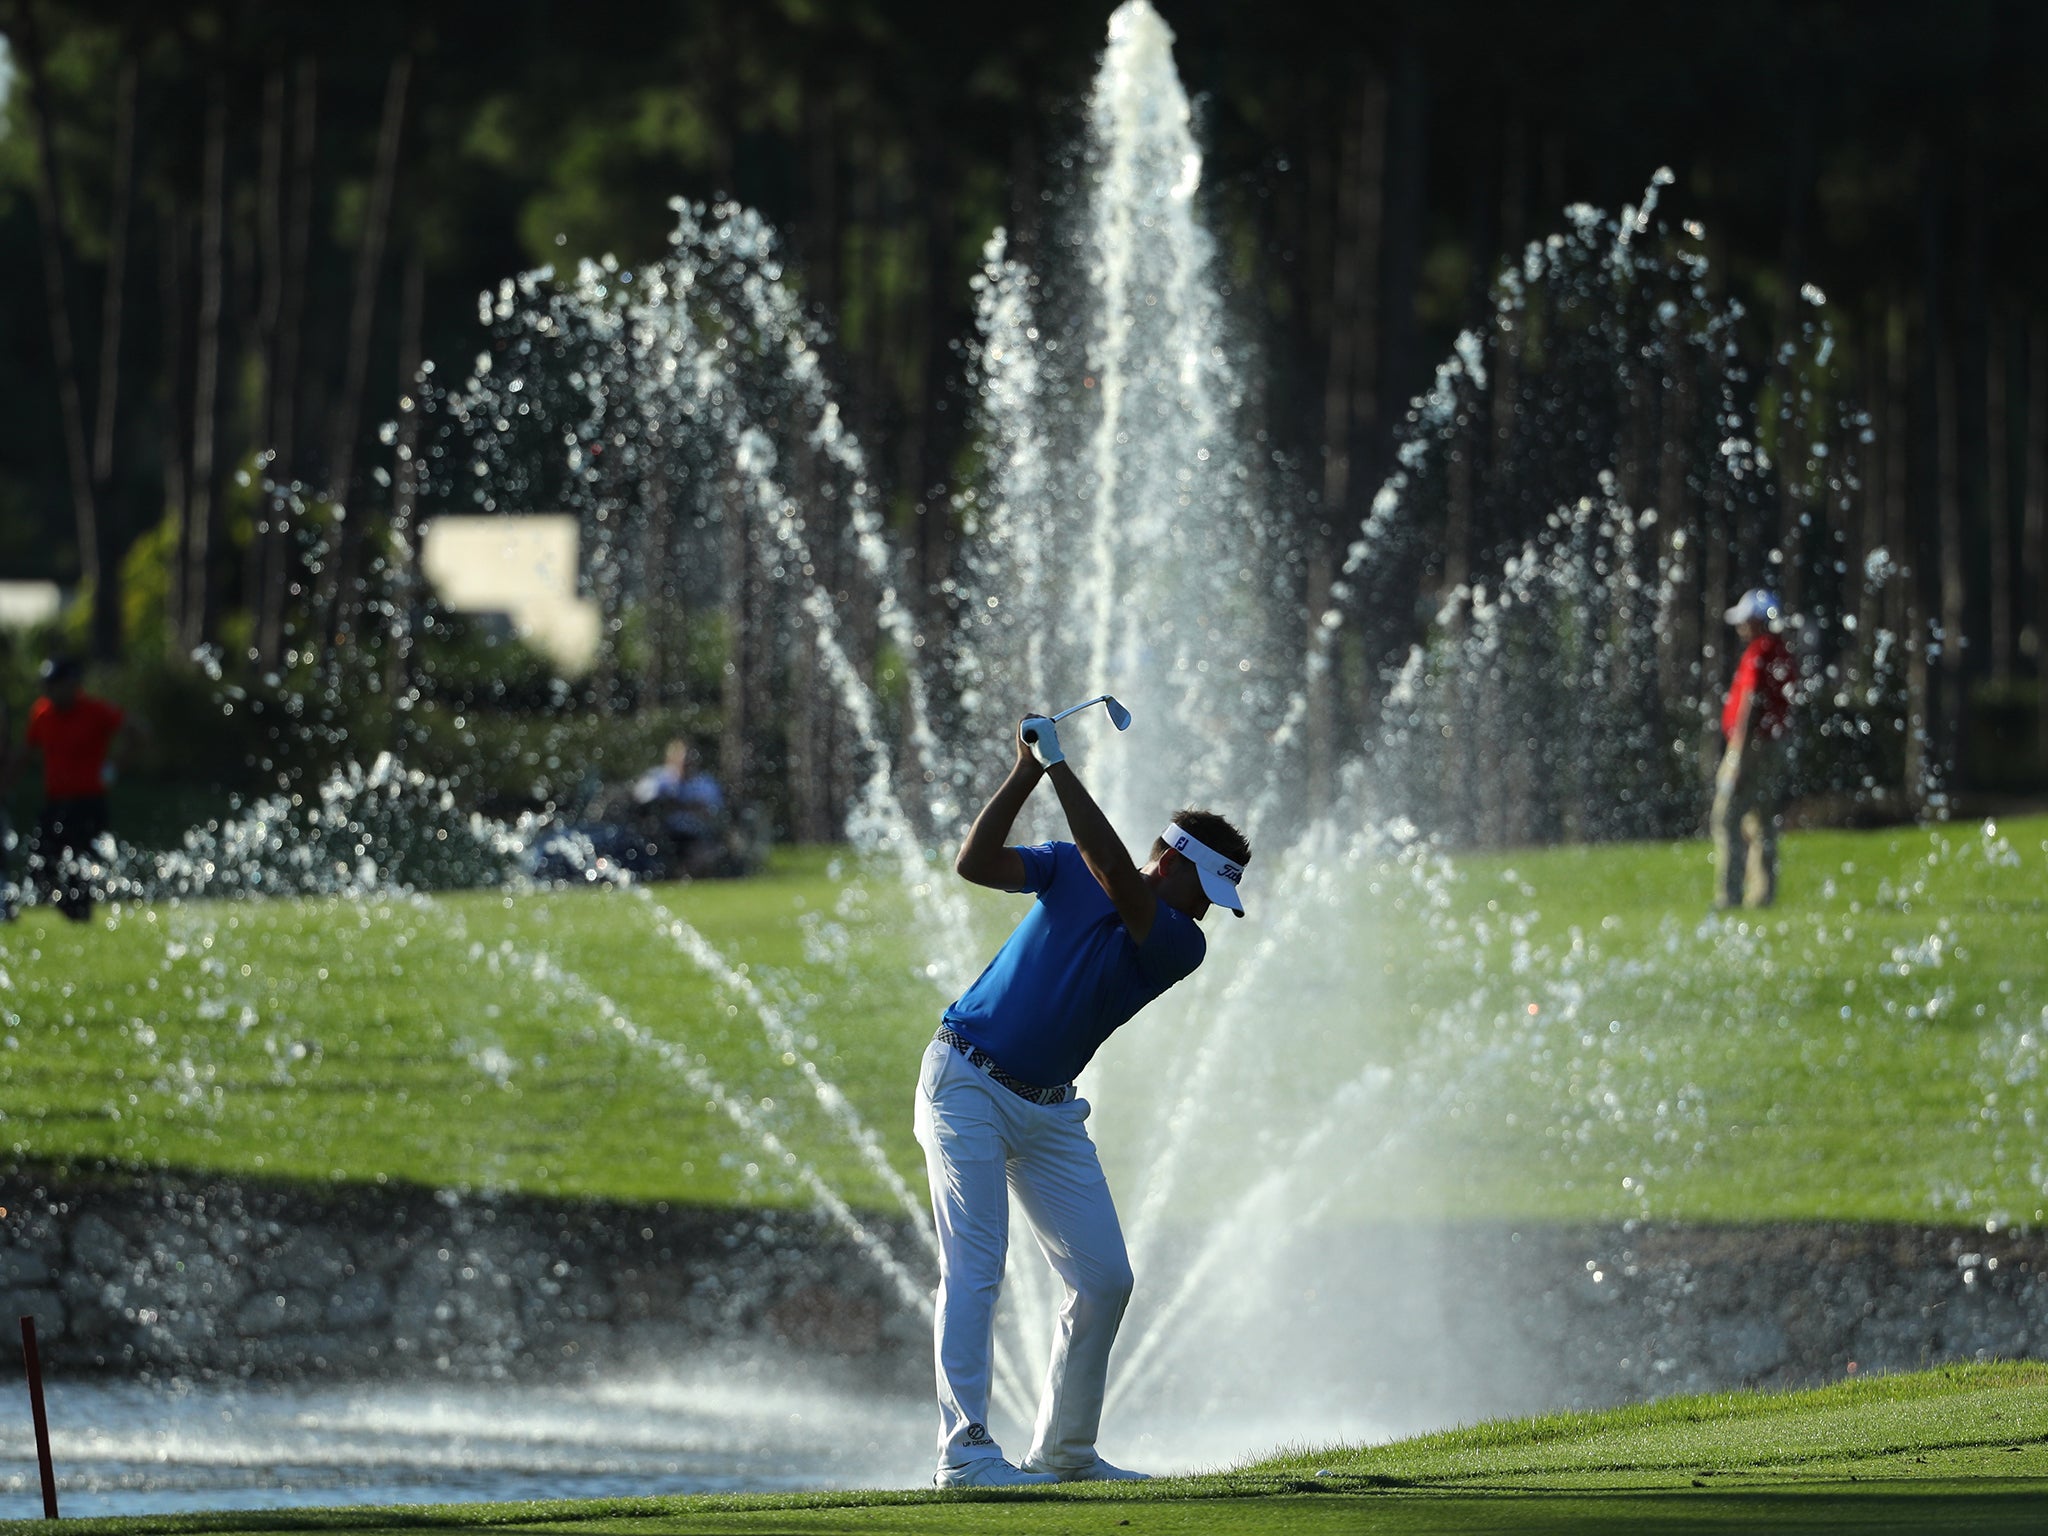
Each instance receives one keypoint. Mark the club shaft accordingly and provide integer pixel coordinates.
(1075, 709)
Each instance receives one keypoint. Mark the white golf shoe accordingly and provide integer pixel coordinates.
(990, 1472)
(1096, 1471)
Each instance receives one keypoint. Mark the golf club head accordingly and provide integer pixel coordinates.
(1120, 716)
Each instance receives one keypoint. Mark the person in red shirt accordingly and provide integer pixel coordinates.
(1749, 790)
(74, 732)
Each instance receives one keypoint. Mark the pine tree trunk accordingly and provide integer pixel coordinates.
(1792, 434)
(806, 718)
(1461, 534)
(107, 615)
(736, 758)
(340, 573)
(1718, 539)
(1357, 230)
(1401, 240)
(1954, 587)
(202, 523)
(1920, 525)
(1930, 513)
(1998, 505)
(1514, 181)
(1678, 647)
(1504, 384)
(821, 166)
(269, 306)
(281, 387)
(2034, 538)
(1869, 605)
(1964, 573)
(808, 766)
(1399, 365)
(1898, 482)
(405, 486)
(938, 416)
(56, 248)
(176, 420)
(657, 563)
(867, 298)
(814, 760)
(1026, 176)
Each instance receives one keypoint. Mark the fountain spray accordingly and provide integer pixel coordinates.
(1118, 715)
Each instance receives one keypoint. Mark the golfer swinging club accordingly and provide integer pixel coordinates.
(996, 1106)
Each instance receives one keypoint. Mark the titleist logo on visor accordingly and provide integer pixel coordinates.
(1204, 855)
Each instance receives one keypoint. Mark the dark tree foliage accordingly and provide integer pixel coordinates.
(255, 220)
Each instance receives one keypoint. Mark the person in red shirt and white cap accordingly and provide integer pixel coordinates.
(1749, 790)
(74, 732)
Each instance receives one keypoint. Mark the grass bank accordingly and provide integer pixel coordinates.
(1960, 1449)
(1573, 1034)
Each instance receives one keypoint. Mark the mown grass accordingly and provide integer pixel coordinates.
(1870, 1049)
(1958, 1449)
(1569, 1032)
(1954, 1415)
(473, 1039)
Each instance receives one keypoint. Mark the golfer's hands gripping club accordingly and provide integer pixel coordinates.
(1041, 739)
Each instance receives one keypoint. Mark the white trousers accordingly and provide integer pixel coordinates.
(981, 1144)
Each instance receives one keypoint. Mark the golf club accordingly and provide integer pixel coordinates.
(1118, 715)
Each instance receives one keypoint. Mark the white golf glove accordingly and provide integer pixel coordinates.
(1037, 733)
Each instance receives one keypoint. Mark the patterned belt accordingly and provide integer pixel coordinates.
(977, 1057)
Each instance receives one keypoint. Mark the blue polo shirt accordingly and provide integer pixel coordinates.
(1070, 974)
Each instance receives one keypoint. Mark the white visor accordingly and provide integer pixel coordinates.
(1220, 876)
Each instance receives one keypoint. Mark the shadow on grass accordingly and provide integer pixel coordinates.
(1878, 1507)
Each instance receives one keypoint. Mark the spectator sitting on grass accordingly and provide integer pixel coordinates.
(74, 732)
(684, 793)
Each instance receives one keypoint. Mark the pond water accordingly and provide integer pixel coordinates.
(127, 1449)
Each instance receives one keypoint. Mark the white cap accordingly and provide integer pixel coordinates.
(1758, 604)
(1220, 876)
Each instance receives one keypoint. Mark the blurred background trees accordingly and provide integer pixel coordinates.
(230, 233)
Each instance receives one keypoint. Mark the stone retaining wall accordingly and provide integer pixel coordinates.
(207, 1278)
(1641, 1311)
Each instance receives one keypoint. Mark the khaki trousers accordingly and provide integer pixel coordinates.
(1746, 816)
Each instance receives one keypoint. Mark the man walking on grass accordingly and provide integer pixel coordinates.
(997, 1111)
(1756, 768)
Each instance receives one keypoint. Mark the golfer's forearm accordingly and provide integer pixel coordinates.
(1101, 849)
(981, 851)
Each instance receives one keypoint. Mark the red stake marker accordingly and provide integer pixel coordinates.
(35, 1402)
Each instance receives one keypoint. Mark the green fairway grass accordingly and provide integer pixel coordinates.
(1960, 1449)
(475, 1039)
(1581, 1037)
(1870, 1049)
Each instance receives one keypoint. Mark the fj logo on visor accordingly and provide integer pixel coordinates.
(1204, 855)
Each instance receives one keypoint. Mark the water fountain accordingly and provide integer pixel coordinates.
(1275, 1175)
